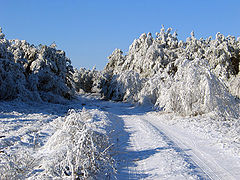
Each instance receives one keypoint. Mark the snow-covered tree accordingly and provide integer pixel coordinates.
(1, 34)
(192, 77)
(37, 73)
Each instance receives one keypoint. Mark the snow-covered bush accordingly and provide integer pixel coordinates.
(129, 82)
(16, 166)
(79, 149)
(195, 90)
(38, 73)
(192, 77)
(36, 142)
(92, 81)
(12, 80)
(85, 80)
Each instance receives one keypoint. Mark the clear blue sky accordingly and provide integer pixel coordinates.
(89, 30)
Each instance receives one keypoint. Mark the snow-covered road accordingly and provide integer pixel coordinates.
(151, 149)
(151, 154)
(149, 144)
(215, 163)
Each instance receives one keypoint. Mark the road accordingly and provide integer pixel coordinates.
(151, 149)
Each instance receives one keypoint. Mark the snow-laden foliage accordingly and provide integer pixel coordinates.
(37, 145)
(79, 149)
(16, 166)
(194, 90)
(189, 78)
(36, 73)
(87, 81)
(91, 81)
(83, 79)
(130, 83)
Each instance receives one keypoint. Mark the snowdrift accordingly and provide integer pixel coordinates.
(35, 73)
(189, 78)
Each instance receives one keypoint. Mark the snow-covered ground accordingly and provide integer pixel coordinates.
(157, 145)
(144, 144)
(161, 151)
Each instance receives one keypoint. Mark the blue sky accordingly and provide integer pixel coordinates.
(90, 30)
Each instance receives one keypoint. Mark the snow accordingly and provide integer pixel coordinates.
(152, 155)
(44, 140)
(208, 149)
(138, 142)
(36, 73)
(189, 78)
(166, 146)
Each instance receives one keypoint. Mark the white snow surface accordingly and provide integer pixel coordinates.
(98, 139)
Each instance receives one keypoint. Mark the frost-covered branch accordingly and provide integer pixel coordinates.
(36, 73)
(192, 77)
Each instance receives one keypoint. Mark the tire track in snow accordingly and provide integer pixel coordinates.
(137, 148)
(148, 137)
(204, 161)
(133, 148)
(182, 151)
(173, 143)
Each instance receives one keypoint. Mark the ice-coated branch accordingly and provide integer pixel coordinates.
(195, 76)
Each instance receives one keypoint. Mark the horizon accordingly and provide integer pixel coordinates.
(90, 31)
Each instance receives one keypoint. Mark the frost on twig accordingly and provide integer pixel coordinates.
(192, 77)
(78, 150)
(35, 73)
